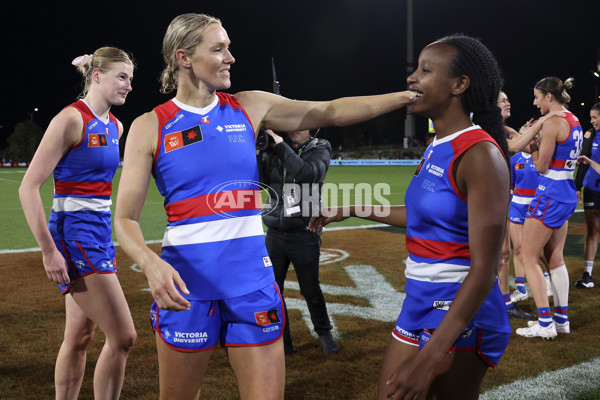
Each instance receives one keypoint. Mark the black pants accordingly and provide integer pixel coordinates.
(302, 248)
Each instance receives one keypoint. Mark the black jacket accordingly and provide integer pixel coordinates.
(586, 150)
(306, 170)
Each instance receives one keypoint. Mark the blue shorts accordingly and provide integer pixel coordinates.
(517, 213)
(487, 344)
(550, 212)
(86, 258)
(254, 319)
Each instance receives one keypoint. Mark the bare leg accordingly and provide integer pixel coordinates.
(260, 371)
(504, 262)
(457, 376)
(180, 373)
(70, 362)
(516, 234)
(592, 219)
(101, 298)
(535, 237)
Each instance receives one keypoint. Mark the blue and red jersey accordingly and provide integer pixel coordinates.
(591, 180)
(557, 182)
(83, 182)
(437, 238)
(205, 168)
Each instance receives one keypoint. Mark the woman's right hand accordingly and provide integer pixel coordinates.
(163, 280)
(326, 216)
(56, 267)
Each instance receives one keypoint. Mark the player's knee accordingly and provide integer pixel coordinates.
(79, 341)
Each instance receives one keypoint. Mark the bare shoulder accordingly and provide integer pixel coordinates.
(555, 122)
(144, 131)
(484, 160)
(67, 126)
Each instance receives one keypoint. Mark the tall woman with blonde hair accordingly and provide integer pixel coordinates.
(81, 148)
(214, 281)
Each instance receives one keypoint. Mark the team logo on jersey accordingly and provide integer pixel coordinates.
(443, 305)
(97, 140)
(265, 318)
(519, 166)
(177, 140)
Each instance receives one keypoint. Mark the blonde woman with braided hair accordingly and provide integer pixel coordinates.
(81, 148)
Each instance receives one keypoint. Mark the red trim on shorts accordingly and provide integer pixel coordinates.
(405, 339)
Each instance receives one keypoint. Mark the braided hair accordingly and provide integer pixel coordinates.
(477, 62)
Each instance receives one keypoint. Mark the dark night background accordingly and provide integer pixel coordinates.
(322, 49)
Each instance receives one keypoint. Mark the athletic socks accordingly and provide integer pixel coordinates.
(588, 266)
(560, 286)
(561, 314)
(520, 283)
(507, 301)
(544, 316)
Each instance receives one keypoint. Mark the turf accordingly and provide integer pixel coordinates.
(33, 314)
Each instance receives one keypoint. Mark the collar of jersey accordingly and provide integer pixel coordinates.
(201, 111)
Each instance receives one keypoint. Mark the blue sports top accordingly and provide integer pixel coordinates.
(205, 168)
(557, 182)
(591, 180)
(437, 239)
(83, 182)
(524, 178)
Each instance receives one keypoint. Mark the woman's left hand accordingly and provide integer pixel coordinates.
(410, 380)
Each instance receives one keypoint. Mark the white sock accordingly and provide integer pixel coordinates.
(560, 286)
(588, 266)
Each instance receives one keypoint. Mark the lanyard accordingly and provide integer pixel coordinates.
(285, 173)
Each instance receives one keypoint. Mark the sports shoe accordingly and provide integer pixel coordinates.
(585, 281)
(534, 329)
(516, 312)
(565, 327)
(517, 296)
(328, 343)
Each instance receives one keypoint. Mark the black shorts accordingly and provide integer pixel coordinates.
(591, 199)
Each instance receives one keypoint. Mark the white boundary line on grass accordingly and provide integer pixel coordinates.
(566, 383)
(560, 384)
(339, 228)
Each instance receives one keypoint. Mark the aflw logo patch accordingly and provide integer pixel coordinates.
(177, 140)
(97, 140)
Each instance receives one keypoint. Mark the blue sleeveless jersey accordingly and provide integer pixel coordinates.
(205, 167)
(83, 182)
(524, 179)
(557, 182)
(591, 180)
(437, 240)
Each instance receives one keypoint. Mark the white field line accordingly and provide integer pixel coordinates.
(564, 383)
(560, 384)
(339, 228)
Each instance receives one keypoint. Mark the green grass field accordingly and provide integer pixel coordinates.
(153, 219)
(32, 331)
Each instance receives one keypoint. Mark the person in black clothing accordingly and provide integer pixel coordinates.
(589, 179)
(295, 176)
